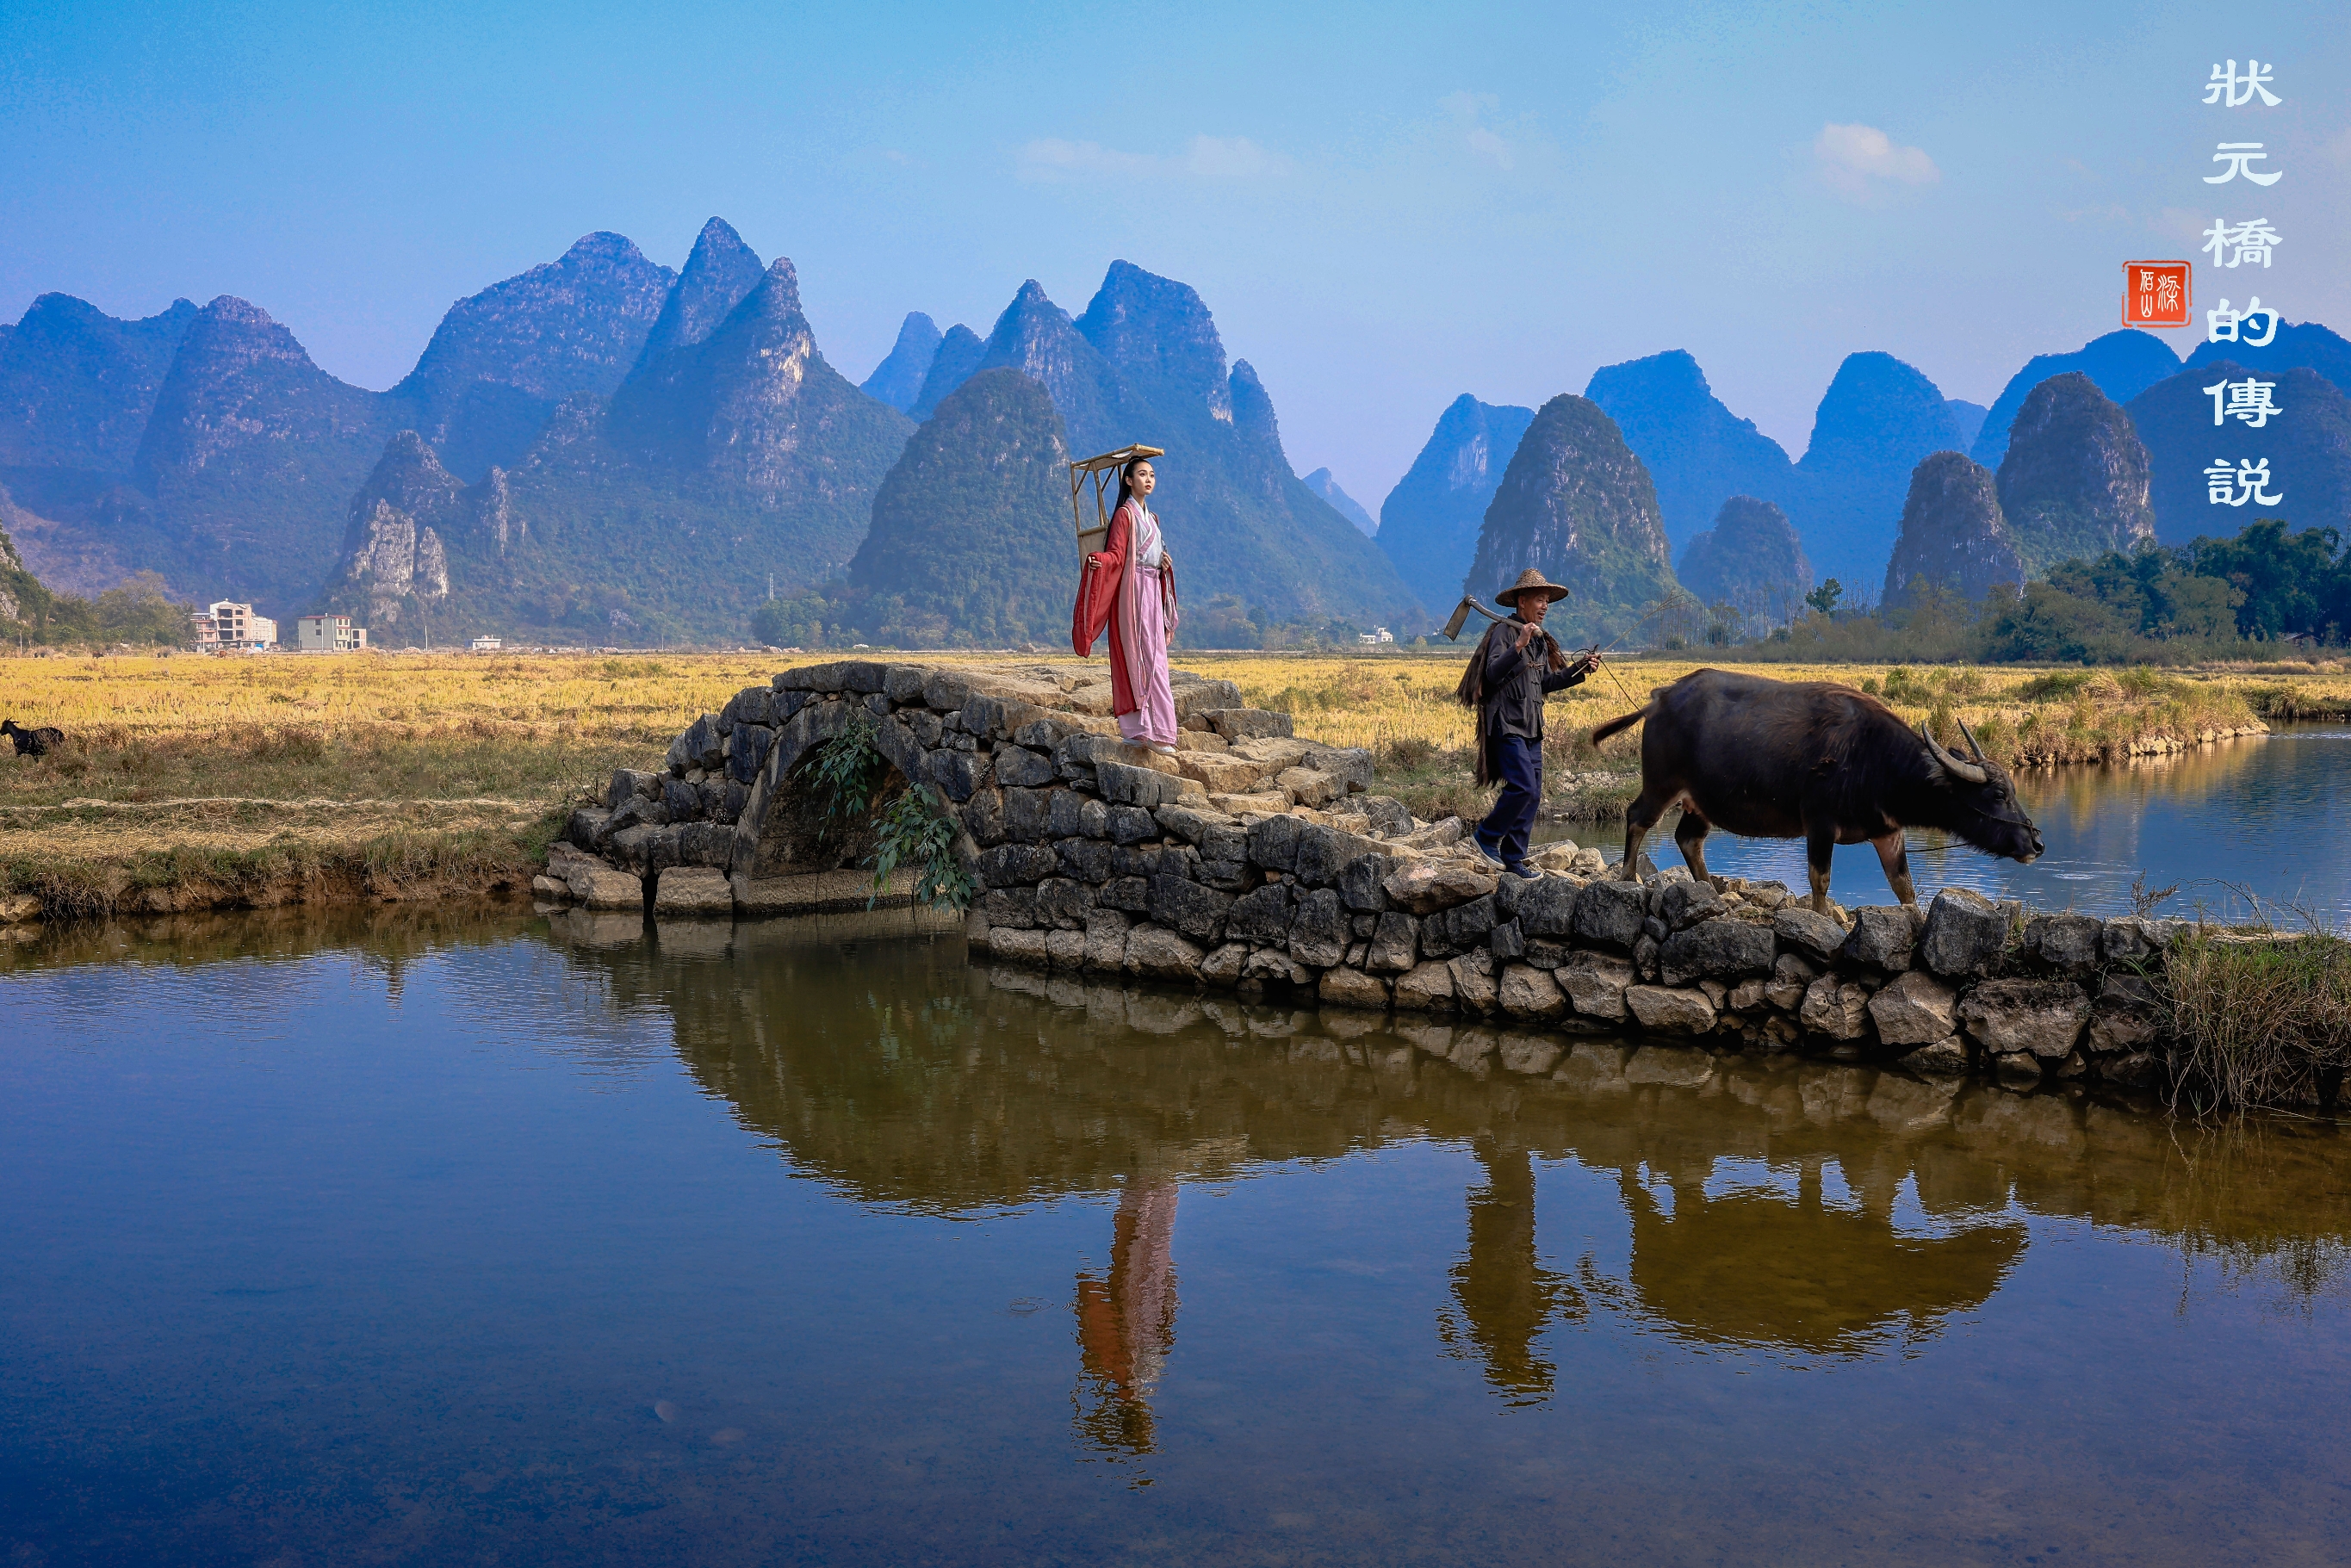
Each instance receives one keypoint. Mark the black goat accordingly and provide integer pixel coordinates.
(32, 742)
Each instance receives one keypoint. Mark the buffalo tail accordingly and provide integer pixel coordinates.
(1601, 731)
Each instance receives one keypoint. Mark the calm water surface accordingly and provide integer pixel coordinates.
(437, 1241)
(2258, 819)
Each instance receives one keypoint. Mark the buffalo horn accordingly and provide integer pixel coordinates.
(1973, 744)
(1969, 771)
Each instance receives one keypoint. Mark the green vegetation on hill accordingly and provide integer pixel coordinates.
(1578, 507)
(2244, 597)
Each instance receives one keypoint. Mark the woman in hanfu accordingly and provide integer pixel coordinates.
(1143, 617)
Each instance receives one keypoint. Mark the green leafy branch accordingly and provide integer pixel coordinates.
(911, 832)
(847, 771)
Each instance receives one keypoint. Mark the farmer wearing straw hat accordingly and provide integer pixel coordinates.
(1518, 664)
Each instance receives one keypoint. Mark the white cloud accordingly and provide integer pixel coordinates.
(1490, 147)
(1859, 161)
(1051, 159)
(1468, 110)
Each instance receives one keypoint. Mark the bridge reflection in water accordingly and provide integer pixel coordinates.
(1802, 1212)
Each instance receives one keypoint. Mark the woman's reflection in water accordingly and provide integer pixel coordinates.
(1505, 1295)
(1126, 1324)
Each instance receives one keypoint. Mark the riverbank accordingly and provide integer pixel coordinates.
(190, 782)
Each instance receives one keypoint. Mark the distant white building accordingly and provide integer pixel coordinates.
(1375, 636)
(328, 634)
(227, 627)
(486, 645)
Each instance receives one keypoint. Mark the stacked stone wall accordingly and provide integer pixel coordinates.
(1259, 863)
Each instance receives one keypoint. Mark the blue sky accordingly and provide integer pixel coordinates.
(1383, 205)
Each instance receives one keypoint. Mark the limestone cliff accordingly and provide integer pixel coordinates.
(1429, 524)
(1879, 418)
(1697, 451)
(972, 552)
(1579, 506)
(501, 360)
(898, 379)
(1750, 559)
(2073, 483)
(720, 273)
(395, 563)
(1953, 536)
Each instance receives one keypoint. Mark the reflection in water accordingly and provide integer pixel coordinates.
(1126, 1322)
(484, 1273)
(1755, 1267)
(1505, 1295)
(992, 1088)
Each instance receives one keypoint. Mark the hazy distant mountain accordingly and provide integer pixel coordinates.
(2307, 447)
(1750, 559)
(1346, 505)
(1699, 452)
(720, 273)
(1429, 523)
(1968, 417)
(1953, 536)
(1145, 364)
(501, 360)
(249, 445)
(972, 551)
(77, 386)
(1879, 418)
(2306, 344)
(1579, 506)
(2123, 364)
(898, 379)
(659, 515)
(2075, 482)
(959, 354)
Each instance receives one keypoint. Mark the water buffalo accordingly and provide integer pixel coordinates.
(1811, 760)
(32, 742)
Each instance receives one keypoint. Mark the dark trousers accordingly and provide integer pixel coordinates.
(1518, 763)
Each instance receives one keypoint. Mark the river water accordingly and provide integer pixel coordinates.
(428, 1238)
(2237, 829)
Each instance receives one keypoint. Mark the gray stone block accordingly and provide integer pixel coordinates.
(1682, 904)
(1012, 865)
(1883, 938)
(1131, 825)
(1360, 887)
(1066, 813)
(983, 818)
(1459, 929)
(1273, 842)
(1088, 860)
(1246, 723)
(1141, 787)
(957, 773)
(1506, 941)
(1064, 901)
(1395, 944)
(1814, 935)
(1966, 934)
(1196, 912)
(1318, 932)
(2066, 943)
(1130, 893)
(1546, 906)
(1018, 765)
(1324, 852)
(1716, 949)
(1261, 916)
(1609, 914)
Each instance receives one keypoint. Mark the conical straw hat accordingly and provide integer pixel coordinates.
(1529, 582)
